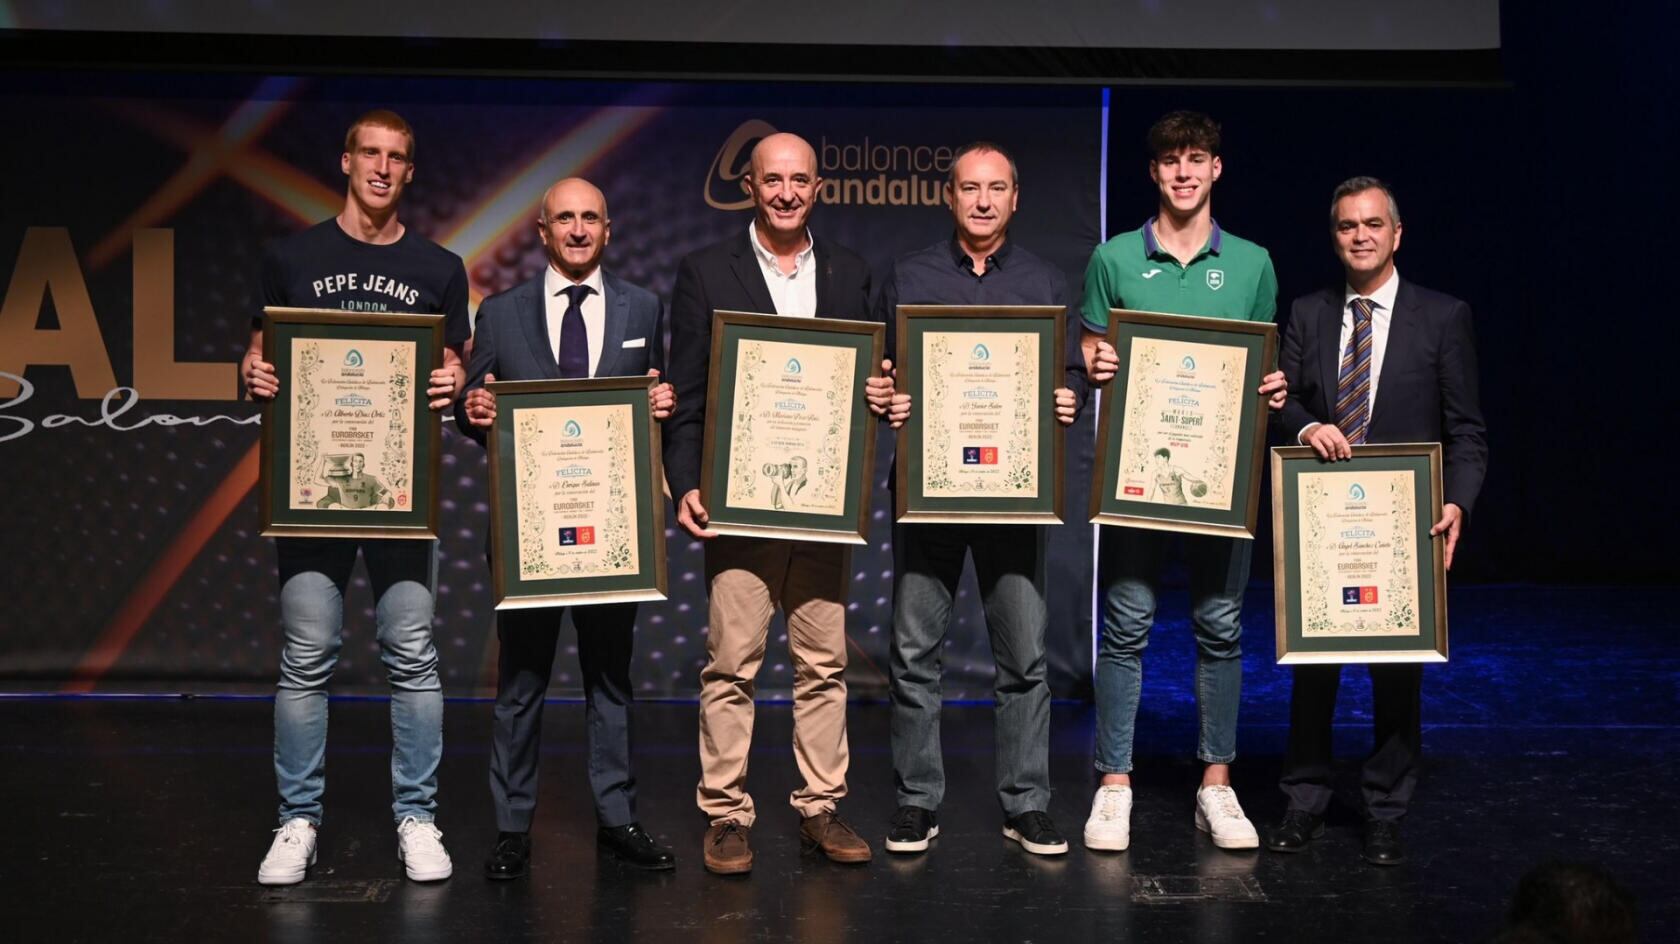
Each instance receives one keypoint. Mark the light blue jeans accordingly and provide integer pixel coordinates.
(313, 576)
(1129, 567)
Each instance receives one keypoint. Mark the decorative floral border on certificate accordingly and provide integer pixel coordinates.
(834, 438)
(1400, 562)
(1137, 435)
(305, 450)
(533, 519)
(936, 451)
(1315, 582)
(1219, 453)
(1023, 462)
(395, 463)
(616, 533)
(1316, 618)
(742, 481)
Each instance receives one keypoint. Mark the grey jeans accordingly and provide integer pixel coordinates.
(928, 561)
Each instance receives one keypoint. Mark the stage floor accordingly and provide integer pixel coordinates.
(1552, 737)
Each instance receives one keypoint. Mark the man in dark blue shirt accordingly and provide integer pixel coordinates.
(977, 266)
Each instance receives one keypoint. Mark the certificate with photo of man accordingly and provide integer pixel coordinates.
(789, 446)
(577, 511)
(982, 444)
(349, 446)
(1358, 576)
(1181, 431)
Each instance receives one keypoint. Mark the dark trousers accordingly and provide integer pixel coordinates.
(1389, 774)
(528, 639)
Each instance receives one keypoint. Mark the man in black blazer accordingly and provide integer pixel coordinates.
(775, 266)
(574, 320)
(1379, 361)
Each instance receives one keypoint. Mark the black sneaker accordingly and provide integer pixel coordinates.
(1036, 834)
(912, 827)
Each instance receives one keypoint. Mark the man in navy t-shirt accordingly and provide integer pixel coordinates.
(365, 260)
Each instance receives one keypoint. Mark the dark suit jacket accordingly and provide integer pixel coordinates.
(511, 339)
(727, 276)
(1427, 392)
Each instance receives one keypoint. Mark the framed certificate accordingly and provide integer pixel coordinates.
(982, 443)
(577, 510)
(1358, 576)
(349, 448)
(1182, 433)
(789, 440)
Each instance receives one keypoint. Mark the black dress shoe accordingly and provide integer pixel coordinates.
(632, 844)
(1382, 843)
(1297, 829)
(510, 857)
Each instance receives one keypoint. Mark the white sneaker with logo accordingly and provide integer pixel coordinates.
(1110, 825)
(291, 854)
(420, 849)
(1220, 815)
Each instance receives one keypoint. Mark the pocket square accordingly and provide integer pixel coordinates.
(636, 342)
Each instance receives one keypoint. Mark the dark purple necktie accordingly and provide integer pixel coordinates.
(574, 337)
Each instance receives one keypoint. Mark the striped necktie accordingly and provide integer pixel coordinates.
(1353, 383)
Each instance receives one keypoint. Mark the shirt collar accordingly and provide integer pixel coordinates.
(999, 257)
(553, 282)
(768, 258)
(1383, 296)
(1152, 249)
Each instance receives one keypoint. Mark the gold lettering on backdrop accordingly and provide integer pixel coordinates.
(156, 370)
(46, 264)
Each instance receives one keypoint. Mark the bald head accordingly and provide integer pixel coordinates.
(571, 191)
(574, 227)
(783, 182)
(783, 148)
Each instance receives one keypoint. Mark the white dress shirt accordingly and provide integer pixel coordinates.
(795, 294)
(594, 312)
(1382, 315)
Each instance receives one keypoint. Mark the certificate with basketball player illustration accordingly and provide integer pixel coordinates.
(577, 510)
(1359, 578)
(789, 446)
(1182, 429)
(350, 448)
(982, 444)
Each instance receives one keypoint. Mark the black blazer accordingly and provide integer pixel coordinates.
(1427, 392)
(727, 276)
(511, 339)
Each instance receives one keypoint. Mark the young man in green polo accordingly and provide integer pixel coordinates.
(1179, 262)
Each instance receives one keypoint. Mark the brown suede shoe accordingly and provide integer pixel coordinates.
(727, 851)
(838, 841)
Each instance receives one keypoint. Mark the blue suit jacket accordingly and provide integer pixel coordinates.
(1428, 391)
(511, 339)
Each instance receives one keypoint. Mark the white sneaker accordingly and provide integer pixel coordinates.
(1110, 825)
(1220, 815)
(291, 854)
(420, 849)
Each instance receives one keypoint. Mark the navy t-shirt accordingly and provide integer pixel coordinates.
(324, 267)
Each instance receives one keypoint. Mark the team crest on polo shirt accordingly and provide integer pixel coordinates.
(1216, 279)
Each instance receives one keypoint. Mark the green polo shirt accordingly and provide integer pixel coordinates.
(1230, 278)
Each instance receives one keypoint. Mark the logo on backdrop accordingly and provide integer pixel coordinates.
(855, 172)
(726, 187)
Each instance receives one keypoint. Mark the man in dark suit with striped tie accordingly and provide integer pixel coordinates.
(574, 320)
(1380, 360)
